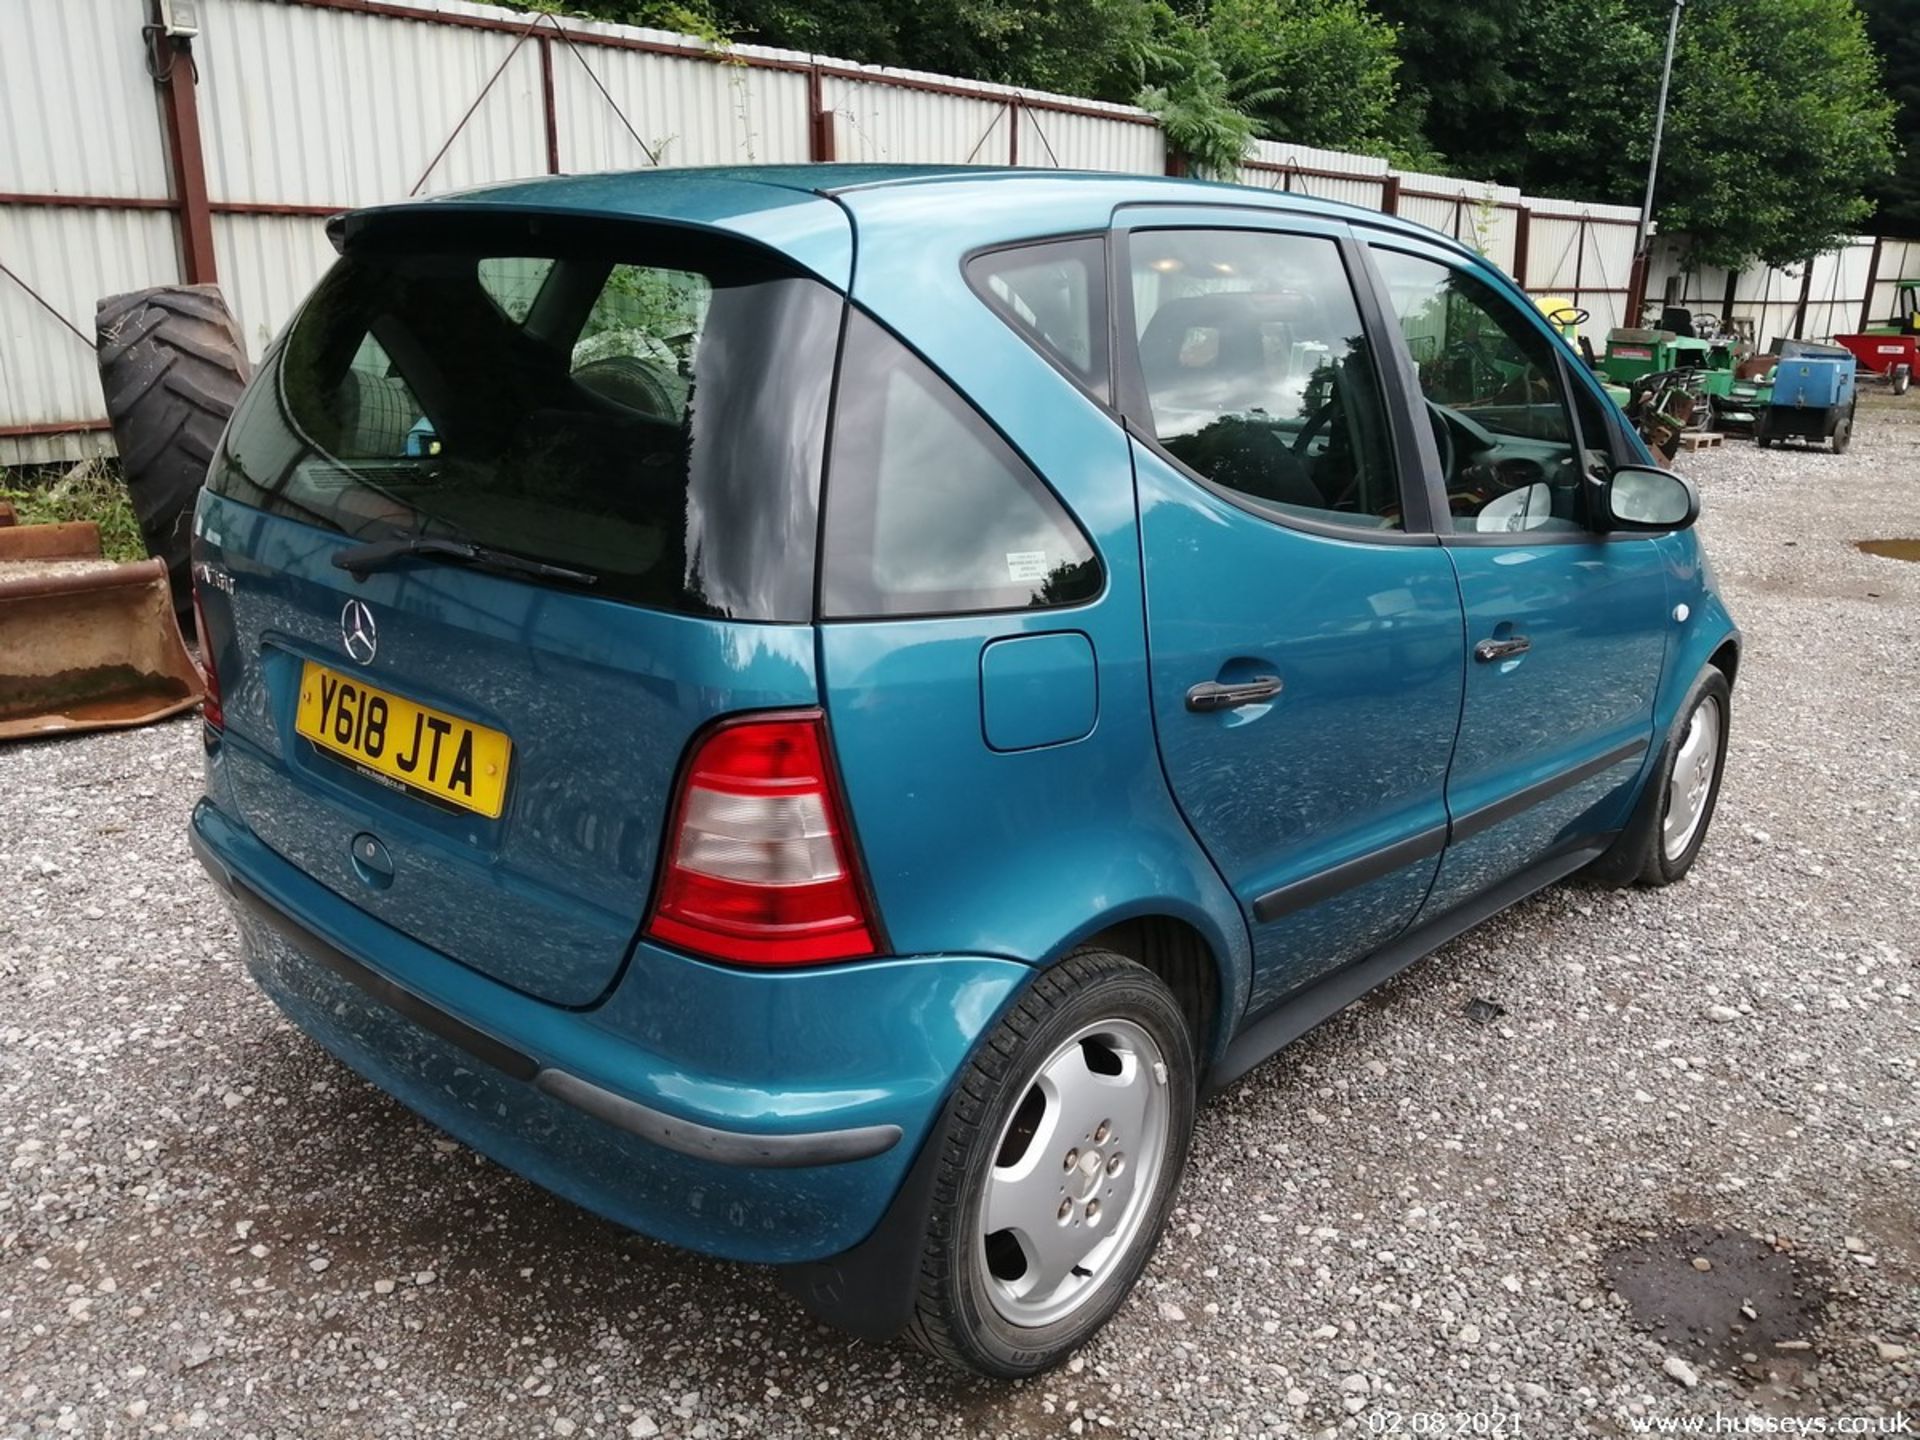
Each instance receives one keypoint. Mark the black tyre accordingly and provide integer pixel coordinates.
(1843, 435)
(1670, 823)
(1902, 378)
(172, 366)
(1064, 1149)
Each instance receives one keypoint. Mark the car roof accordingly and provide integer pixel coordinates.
(803, 211)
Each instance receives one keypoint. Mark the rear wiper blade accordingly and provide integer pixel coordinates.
(379, 554)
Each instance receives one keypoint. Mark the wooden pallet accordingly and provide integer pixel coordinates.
(1700, 439)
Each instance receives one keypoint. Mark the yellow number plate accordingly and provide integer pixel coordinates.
(402, 744)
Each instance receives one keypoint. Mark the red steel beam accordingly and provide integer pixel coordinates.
(819, 120)
(1873, 278)
(52, 427)
(548, 103)
(175, 75)
(90, 202)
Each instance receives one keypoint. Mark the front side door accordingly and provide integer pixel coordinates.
(1565, 625)
(1303, 624)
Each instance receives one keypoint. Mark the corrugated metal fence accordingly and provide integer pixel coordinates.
(126, 163)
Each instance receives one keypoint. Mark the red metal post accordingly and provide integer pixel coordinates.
(1873, 278)
(174, 74)
(819, 120)
(1636, 287)
(1013, 131)
(1579, 258)
(1390, 195)
(550, 102)
(1522, 242)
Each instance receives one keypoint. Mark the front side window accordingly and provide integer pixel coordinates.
(653, 416)
(1258, 374)
(1492, 384)
(929, 510)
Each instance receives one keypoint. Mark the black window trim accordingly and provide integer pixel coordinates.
(1102, 288)
(1381, 238)
(1136, 408)
(820, 616)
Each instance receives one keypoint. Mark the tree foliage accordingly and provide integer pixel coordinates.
(1777, 125)
(1894, 27)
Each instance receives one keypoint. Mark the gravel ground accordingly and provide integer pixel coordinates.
(206, 1223)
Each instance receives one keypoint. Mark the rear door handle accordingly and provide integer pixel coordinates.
(1211, 695)
(1488, 650)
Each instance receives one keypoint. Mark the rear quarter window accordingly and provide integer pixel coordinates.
(1054, 295)
(929, 510)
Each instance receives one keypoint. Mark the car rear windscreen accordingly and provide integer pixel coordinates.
(646, 408)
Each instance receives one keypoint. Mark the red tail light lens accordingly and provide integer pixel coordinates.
(210, 710)
(760, 867)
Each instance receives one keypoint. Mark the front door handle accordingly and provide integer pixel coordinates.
(1211, 695)
(1502, 649)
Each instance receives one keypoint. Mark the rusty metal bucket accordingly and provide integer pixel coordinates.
(85, 644)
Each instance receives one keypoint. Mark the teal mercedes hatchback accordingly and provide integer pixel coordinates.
(816, 711)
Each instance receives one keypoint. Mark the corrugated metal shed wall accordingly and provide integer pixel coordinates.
(1087, 142)
(313, 107)
(1899, 260)
(77, 109)
(72, 258)
(267, 265)
(1769, 300)
(1482, 216)
(689, 112)
(1352, 179)
(325, 107)
(1586, 249)
(898, 126)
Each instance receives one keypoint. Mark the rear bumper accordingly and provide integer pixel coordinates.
(767, 1117)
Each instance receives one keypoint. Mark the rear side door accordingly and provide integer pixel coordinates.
(1566, 625)
(1304, 627)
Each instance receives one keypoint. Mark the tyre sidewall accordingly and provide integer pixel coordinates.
(1660, 870)
(1001, 1347)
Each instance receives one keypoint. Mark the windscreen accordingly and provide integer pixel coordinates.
(646, 410)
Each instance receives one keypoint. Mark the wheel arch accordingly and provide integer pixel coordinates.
(1207, 974)
(1726, 659)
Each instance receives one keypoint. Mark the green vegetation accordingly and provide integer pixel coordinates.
(1894, 27)
(1779, 129)
(90, 490)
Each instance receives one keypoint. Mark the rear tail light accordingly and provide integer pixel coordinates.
(759, 865)
(210, 710)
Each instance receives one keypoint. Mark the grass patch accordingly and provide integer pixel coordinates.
(91, 490)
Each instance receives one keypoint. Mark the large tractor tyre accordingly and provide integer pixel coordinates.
(172, 366)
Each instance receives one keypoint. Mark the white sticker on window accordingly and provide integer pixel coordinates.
(1024, 565)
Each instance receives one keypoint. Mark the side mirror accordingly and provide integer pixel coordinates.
(1639, 497)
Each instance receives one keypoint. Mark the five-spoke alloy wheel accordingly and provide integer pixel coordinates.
(1063, 1148)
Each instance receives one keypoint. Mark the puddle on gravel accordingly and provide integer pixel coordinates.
(1750, 1297)
(1890, 549)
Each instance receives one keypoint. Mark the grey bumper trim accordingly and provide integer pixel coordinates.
(723, 1147)
(669, 1132)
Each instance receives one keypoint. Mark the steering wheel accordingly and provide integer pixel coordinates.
(1442, 419)
(1569, 315)
(1315, 424)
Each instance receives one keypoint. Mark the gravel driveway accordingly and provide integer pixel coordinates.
(207, 1224)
